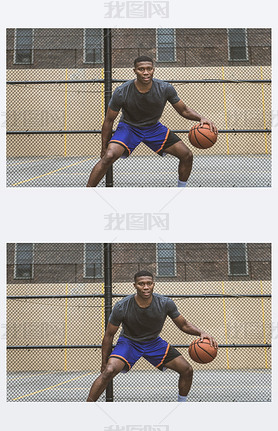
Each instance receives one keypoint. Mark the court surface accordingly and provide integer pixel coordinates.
(142, 171)
(143, 386)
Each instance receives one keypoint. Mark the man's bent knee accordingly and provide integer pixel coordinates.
(187, 154)
(109, 158)
(181, 151)
(109, 372)
(187, 370)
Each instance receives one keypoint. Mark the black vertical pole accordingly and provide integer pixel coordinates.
(108, 301)
(108, 87)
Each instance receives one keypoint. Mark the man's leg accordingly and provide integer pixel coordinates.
(113, 152)
(185, 156)
(185, 371)
(113, 367)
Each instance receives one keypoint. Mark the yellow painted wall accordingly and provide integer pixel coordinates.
(81, 107)
(81, 321)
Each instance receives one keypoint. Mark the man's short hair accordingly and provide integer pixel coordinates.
(142, 274)
(142, 58)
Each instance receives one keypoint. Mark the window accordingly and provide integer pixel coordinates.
(237, 44)
(237, 259)
(23, 46)
(166, 260)
(24, 260)
(93, 42)
(93, 258)
(166, 44)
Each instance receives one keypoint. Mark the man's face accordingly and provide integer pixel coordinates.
(144, 72)
(144, 286)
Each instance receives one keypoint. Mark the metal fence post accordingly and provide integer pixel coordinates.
(108, 301)
(108, 87)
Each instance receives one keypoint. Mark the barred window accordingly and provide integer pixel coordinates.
(93, 45)
(166, 260)
(237, 259)
(165, 44)
(237, 44)
(23, 46)
(24, 261)
(93, 260)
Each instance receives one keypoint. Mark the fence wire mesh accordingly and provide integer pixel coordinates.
(56, 319)
(56, 104)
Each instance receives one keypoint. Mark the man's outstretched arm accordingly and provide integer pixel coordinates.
(107, 343)
(106, 131)
(190, 114)
(191, 329)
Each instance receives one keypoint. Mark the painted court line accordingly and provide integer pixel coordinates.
(50, 387)
(52, 172)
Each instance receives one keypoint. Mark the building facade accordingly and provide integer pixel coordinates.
(83, 263)
(182, 47)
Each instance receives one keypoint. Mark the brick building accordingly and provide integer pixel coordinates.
(83, 263)
(182, 47)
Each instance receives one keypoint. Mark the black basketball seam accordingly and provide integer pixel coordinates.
(196, 342)
(194, 345)
(194, 130)
(200, 146)
(191, 346)
(190, 132)
(205, 350)
(205, 136)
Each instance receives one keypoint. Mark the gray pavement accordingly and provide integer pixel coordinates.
(139, 171)
(143, 386)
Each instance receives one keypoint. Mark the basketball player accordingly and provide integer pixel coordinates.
(142, 102)
(142, 316)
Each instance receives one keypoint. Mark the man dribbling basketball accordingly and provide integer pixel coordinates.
(142, 316)
(142, 102)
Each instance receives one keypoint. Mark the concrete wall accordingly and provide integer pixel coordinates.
(81, 321)
(81, 107)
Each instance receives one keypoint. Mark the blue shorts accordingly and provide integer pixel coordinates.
(154, 351)
(157, 137)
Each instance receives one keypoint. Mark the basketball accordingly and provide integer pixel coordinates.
(201, 351)
(202, 136)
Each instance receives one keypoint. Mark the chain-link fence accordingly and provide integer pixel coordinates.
(58, 83)
(57, 306)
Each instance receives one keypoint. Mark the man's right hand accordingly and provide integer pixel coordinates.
(103, 366)
(103, 151)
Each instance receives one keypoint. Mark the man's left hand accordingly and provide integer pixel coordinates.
(210, 123)
(212, 340)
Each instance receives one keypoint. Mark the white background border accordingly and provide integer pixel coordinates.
(196, 215)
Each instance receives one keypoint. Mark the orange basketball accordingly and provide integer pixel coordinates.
(201, 136)
(201, 351)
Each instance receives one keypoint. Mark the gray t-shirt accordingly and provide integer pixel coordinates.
(142, 109)
(142, 324)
